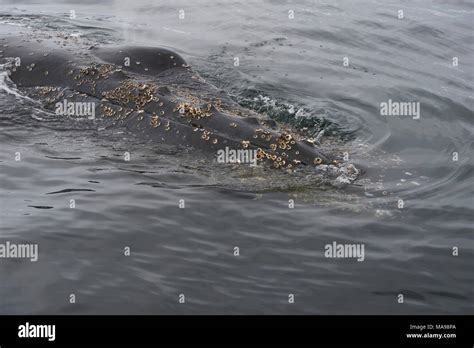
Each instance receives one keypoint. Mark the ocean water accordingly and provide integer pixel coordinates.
(304, 63)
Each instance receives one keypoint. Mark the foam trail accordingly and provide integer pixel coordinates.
(8, 86)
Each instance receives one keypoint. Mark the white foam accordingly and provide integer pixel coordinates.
(176, 31)
(13, 23)
(7, 85)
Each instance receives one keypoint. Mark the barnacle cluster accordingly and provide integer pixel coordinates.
(105, 70)
(278, 160)
(129, 91)
(195, 106)
(90, 74)
(155, 121)
(263, 134)
(107, 110)
(205, 135)
(285, 141)
(189, 110)
(97, 71)
(44, 90)
(49, 94)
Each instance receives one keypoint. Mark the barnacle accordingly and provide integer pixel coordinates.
(155, 121)
(189, 110)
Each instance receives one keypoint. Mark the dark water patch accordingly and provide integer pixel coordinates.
(448, 294)
(64, 158)
(158, 185)
(137, 171)
(70, 190)
(41, 206)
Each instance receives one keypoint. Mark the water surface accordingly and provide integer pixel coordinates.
(286, 65)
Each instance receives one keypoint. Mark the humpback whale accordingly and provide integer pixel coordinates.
(133, 86)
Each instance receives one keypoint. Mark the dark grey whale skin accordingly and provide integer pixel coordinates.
(60, 67)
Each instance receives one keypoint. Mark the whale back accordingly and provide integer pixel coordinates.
(40, 64)
(141, 60)
(124, 93)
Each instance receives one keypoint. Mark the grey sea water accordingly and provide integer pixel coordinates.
(292, 69)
